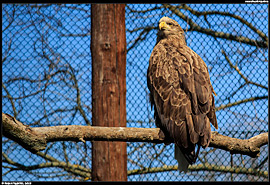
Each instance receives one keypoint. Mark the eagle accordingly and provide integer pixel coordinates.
(181, 93)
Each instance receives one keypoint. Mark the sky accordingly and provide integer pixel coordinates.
(63, 36)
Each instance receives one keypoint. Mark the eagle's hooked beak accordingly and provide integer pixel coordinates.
(163, 26)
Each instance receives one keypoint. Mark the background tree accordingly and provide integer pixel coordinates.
(46, 82)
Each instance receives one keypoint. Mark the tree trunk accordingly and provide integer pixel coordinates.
(108, 50)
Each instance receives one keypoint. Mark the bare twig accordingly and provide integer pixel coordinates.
(75, 169)
(202, 167)
(144, 32)
(240, 73)
(241, 101)
(239, 18)
(11, 100)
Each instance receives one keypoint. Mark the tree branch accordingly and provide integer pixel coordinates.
(35, 139)
(239, 18)
(240, 73)
(86, 173)
(71, 168)
(196, 27)
(202, 167)
(241, 101)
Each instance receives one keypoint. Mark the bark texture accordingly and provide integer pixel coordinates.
(36, 138)
(108, 51)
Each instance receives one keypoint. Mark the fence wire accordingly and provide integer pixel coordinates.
(46, 81)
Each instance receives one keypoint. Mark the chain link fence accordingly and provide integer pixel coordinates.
(46, 81)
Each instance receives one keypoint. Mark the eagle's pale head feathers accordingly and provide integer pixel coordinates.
(168, 27)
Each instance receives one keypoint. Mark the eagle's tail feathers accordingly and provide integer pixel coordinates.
(182, 161)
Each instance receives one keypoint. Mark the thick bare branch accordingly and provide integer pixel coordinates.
(249, 147)
(35, 139)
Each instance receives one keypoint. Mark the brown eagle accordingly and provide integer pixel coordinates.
(181, 92)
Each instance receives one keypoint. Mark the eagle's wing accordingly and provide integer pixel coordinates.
(181, 92)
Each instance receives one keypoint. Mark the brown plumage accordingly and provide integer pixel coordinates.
(181, 93)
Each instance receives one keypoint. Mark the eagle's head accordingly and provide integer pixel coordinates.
(169, 27)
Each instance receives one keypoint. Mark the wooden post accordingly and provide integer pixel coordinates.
(108, 50)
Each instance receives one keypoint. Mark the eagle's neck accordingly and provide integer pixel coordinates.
(180, 39)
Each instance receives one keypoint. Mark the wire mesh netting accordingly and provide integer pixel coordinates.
(46, 81)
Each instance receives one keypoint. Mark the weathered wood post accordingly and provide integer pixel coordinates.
(108, 50)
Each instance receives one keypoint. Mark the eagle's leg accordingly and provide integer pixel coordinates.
(162, 135)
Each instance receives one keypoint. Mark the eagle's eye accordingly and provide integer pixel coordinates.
(170, 24)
